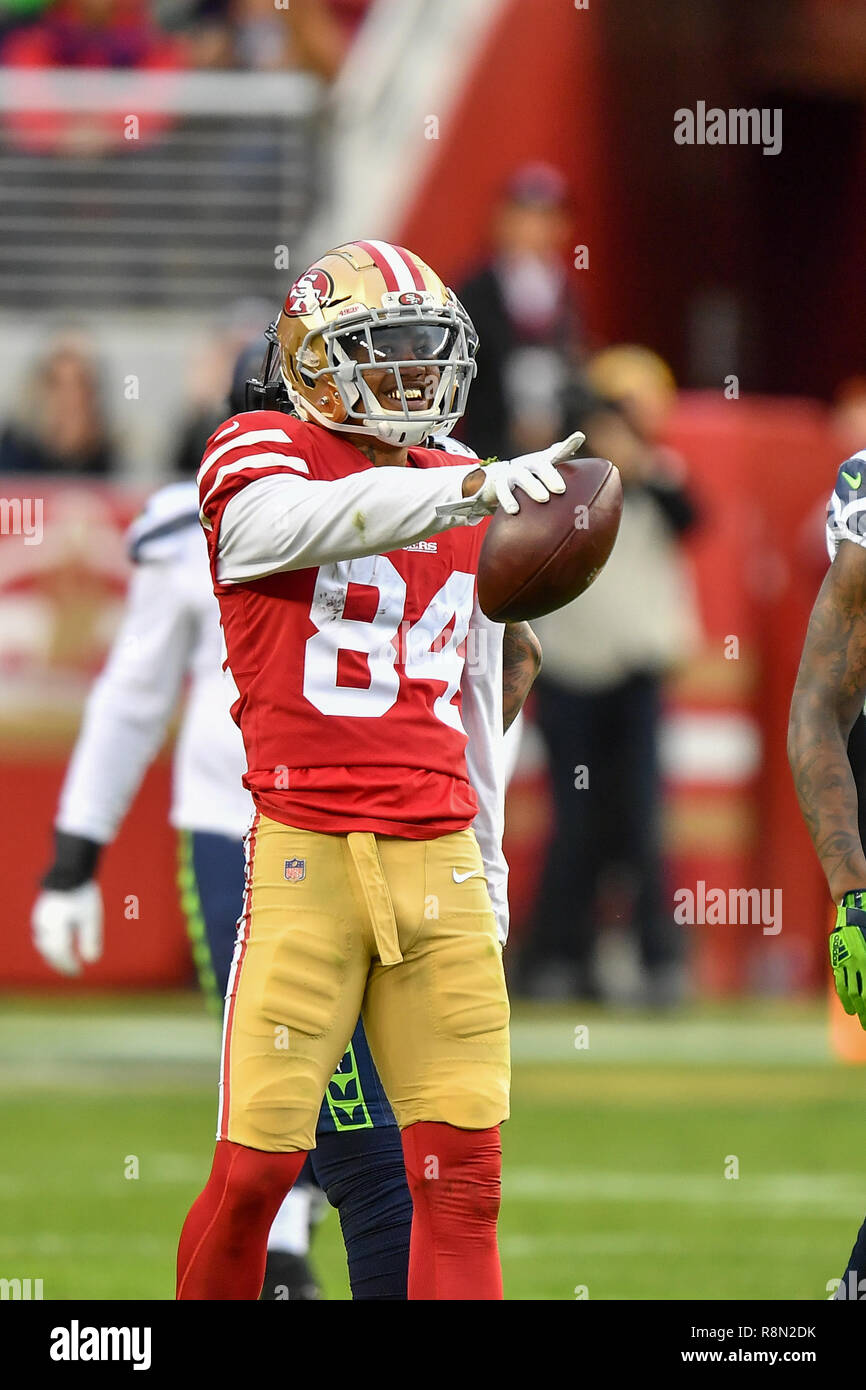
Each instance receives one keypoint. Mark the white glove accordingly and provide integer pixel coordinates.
(63, 920)
(534, 473)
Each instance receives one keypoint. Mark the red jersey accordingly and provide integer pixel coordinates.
(348, 672)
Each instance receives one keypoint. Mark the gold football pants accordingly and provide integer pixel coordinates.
(333, 926)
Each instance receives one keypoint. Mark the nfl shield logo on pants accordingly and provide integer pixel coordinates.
(295, 870)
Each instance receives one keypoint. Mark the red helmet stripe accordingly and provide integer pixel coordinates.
(381, 264)
(417, 277)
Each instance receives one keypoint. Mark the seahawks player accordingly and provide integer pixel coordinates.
(828, 697)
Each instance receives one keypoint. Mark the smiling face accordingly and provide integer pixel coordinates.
(419, 387)
(406, 345)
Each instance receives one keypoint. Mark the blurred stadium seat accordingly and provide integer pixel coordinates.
(203, 178)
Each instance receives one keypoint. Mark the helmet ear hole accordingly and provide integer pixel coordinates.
(330, 402)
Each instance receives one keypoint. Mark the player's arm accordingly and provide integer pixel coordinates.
(829, 694)
(272, 516)
(521, 663)
(125, 722)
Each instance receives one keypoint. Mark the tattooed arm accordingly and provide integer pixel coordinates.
(521, 663)
(828, 696)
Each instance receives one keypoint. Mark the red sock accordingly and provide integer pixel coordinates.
(223, 1244)
(454, 1179)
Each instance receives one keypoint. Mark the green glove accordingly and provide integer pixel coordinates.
(848, 953)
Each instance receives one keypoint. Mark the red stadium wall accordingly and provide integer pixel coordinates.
(762, 470)
(60, 602)
(145, 940)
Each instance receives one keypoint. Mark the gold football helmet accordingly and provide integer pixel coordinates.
(372, 308)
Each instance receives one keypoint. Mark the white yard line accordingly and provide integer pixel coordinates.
(43, 1036)
(774, 1194)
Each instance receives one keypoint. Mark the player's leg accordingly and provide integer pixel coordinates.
(358, 1161)
(438, 1030)
(211, 885)
(294, 994)
(222, 1248)
(210, 910)
(853, 1285)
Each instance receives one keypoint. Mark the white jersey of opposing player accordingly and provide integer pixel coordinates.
(170, 632)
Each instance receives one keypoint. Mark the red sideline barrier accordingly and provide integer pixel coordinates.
(60, 602)
(145, 940)
(762, 470)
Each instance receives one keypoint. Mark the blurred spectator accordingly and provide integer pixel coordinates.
(263, 35)
(14, 13)
(598, 699)
(322, 33)
(207, 34)
(92, 34)
(59, 424)
(257, 36)
(215, 387)
(522, 304)
(85, 34)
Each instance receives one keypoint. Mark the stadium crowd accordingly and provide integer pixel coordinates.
(220, 34)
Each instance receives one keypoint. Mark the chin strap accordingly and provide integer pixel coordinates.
(401, 434)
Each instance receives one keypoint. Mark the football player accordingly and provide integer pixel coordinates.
(170, 633)
(828, 697)
(369, 696)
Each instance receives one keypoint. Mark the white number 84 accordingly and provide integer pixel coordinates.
(425, 656)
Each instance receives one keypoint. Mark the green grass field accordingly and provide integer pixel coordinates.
(615, 1156)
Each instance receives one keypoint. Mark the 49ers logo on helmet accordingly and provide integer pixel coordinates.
(311, 291)
(411, 297)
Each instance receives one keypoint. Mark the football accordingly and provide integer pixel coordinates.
(548, 553)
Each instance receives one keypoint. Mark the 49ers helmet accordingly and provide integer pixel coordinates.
(366, 307)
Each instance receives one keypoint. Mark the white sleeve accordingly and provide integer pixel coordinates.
(482, 719)
(511, 747)
(130, 705)
(281, 522)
